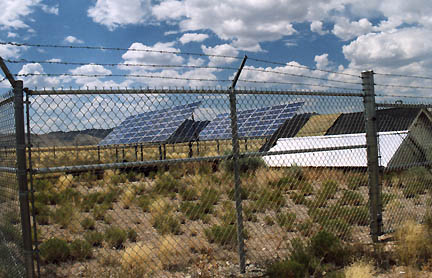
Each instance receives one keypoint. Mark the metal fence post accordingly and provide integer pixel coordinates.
(22, 177)
(235, 148)
(372, 155)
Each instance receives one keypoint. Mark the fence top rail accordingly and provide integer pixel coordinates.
(210, 91)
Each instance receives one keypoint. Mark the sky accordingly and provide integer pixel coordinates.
(290, 44)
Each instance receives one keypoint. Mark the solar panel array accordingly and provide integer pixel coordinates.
(153, 126)
(259, 122)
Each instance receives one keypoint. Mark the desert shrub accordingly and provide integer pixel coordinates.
(88, 223)
(54, 250)
(413, 188)
(355, 181)
(10, 233)
(298, 198)
(90, 200)
(337, 226)
(328, 246)
(229, 217)
(118, 178)
(132, 176)
(244, 194)
(285, 183)
(386, 198)
(166, 223)
(115, 237)
(306, 228)
(295, 171)
(268, 199)
(225, 235)
(318, 215)
(69, 195)
(166, 184)
(351, 198)
(112, 195)
(94, 238)
(99, 212)
(246, 164)
(268, 220)
(329, 189)
(209, 196)
(47, 197)
(249, 214)
(195, 211)
(136, 259)
(41, 185)
(286, 268)
(144, 202)
(80, 250)
(286, 220)
(108, 219)
(319, 201)
(189, 194)
(63, 215)
(11, 217)
(132, 235)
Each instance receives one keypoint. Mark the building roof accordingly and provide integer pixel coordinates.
(392, 119)
(355, 157)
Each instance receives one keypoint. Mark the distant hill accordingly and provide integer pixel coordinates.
(71, 138)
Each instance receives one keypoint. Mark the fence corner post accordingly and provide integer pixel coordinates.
(371, 128)
(21, 165)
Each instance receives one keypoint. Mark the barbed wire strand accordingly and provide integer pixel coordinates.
(402, 96)
(301, 75)
(177, 66)
(301, 67)
(403, 86)
(21, 61)
(119, 75)
(403, 75)
(170, 52)
(297, 83)
(120, 49)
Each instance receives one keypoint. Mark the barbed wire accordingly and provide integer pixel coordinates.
(120, 49)
(402, 75)
(21, 61)
(176, 66)
(302, 67)
(119, 75)
(403, 86)
(298, 83)
(402, 96)
(301, 75)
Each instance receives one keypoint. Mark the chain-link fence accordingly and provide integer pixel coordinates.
(168, 183)
(11, 242)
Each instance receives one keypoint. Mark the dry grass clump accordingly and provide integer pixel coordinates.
(360, 270)
(173, 253)
(127, 198)
(414, 244)
(139, 258)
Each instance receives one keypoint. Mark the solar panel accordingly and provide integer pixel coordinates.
(153, 126)
(259, 122)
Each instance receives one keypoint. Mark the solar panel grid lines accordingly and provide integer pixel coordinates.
(150, 127)
(258, 122)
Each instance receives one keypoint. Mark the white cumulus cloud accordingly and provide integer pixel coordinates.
(222, 50)
(116, 13)
(347, 30)
(14, 12)
(72, 39)
(193, 37)
(317, 27)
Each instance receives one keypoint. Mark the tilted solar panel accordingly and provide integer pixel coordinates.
(259, 122)
(153, 126)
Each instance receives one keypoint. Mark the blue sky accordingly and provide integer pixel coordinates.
(334, 39)
(345, 36)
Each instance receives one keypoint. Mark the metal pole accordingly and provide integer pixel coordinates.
(136, 152)
(190, 149)
(375, 208)
(217, 146)
(160, 152)
(235, 148)
(142, 154)
(22, 178)
(98, 153)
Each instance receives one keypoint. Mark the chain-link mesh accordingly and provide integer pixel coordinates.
(168, 207)
(407, 178)
(11, 243)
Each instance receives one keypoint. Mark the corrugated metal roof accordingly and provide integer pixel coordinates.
(389, 143)
(318, 125)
